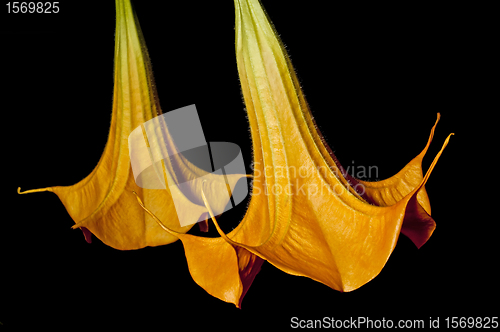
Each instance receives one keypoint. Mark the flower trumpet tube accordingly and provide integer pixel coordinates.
(335, 236)
(103, 203)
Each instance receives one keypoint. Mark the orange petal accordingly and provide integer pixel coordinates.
(321, 228)
(388, 192)
(103, 202)
(223, 270)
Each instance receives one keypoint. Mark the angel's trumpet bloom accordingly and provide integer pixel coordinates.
(322, 229)
(103, 203)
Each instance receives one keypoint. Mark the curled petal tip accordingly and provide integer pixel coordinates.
(32, 190)
(438, 118)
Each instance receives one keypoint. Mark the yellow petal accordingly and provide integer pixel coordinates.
(321, 228)
(390, 191)
(103, 202)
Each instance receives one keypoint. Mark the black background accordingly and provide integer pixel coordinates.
(375, 78)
